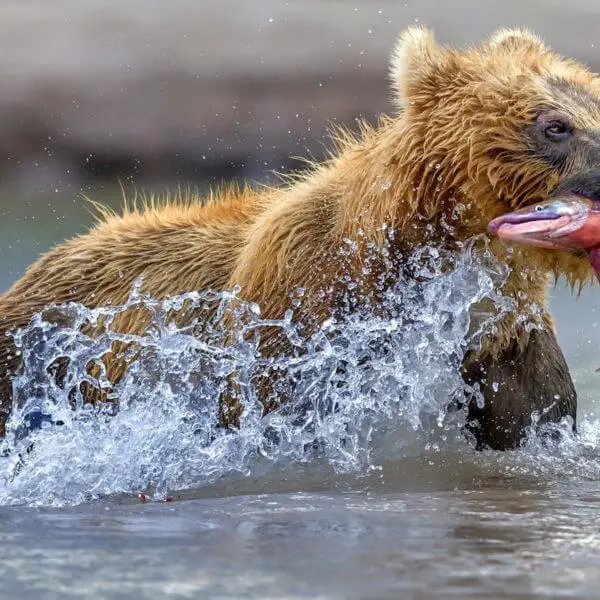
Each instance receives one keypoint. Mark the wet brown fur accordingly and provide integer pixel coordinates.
(456, 151)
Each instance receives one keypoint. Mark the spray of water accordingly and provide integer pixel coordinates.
(362, 387)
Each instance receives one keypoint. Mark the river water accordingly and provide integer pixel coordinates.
(395, 504)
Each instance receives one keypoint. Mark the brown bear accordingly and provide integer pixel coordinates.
(477, 133)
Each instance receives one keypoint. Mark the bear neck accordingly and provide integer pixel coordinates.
(392, 179)
(390, 182)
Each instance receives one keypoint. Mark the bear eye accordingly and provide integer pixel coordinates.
(557, 131)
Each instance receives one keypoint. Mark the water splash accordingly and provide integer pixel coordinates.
(358, 386)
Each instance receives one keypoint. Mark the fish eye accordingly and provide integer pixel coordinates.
(539, 208)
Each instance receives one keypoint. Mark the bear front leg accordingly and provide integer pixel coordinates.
(526, 379)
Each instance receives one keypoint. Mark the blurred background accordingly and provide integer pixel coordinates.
(152, 93)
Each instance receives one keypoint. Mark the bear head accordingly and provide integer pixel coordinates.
(495, 128)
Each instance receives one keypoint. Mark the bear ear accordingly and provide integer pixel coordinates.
(415, 61)
(515, 39)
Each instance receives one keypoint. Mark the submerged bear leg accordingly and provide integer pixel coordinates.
(524, 380)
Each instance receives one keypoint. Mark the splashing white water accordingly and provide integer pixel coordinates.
(357, 385)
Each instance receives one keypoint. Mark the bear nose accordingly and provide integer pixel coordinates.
(586, 185)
